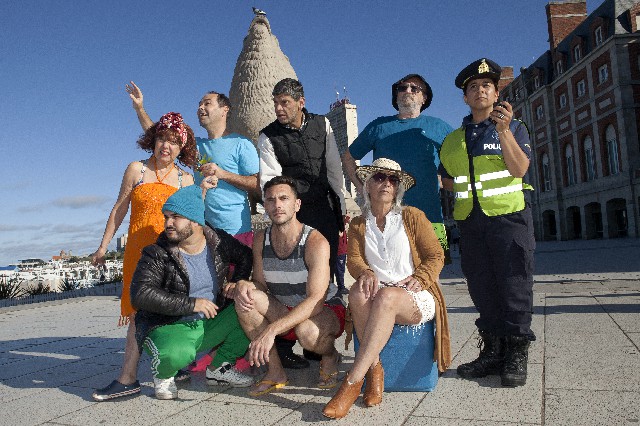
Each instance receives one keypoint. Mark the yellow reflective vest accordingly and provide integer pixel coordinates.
(498, 191)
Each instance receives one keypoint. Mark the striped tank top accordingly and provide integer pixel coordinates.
(287, 278)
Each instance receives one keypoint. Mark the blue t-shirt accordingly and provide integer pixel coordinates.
(203, 282)
(227, 207)
(414, 143)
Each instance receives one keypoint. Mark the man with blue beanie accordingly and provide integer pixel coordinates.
(175, 288)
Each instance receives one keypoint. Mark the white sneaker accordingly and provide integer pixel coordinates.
(226, 374)
(165, 388)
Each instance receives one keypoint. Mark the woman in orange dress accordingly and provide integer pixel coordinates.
(146, 185)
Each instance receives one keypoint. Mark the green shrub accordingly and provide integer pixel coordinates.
(69, 285)
(10, 288)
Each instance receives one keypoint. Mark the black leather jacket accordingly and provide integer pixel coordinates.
(160, 284)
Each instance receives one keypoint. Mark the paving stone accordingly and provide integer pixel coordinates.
(586, 407)
(485, 399)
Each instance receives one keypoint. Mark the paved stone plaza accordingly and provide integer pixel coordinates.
(584, 368)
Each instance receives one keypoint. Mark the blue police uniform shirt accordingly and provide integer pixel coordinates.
(483, 139)
(414, 143)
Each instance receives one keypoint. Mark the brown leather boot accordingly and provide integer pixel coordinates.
(342, 401)
(374, 386)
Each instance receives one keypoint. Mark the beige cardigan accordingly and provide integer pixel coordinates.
(428, 260)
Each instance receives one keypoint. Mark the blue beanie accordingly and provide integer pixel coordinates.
(187, 202)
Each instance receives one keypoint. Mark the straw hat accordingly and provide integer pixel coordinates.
(389, 167)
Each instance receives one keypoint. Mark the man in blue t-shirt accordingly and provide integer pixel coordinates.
(413, 141)
(229, 162)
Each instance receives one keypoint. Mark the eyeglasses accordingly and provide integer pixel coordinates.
(408, 87)
(381, 177)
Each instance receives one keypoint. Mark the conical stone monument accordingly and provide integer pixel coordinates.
(260, 66)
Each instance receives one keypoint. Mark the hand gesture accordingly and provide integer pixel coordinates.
(229, 291)
(243, 296)
(206, 307)
(212, 169)
(209, 182)
(411, 284)
(502, 115)
(260, 347)
(368, 283)
(135, 94)
(97, 258)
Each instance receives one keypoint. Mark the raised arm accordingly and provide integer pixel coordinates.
(516, 160)
(137, 102)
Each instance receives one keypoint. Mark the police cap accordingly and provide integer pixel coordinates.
(428, 94)
(481, 68)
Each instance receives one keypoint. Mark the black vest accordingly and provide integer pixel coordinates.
(301, 154)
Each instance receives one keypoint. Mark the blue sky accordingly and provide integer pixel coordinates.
(68, 129)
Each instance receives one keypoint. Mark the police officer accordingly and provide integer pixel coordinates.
(484, 163)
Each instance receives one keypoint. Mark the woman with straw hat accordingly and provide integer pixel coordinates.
(396, 258)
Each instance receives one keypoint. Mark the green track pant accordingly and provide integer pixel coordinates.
(175, 346)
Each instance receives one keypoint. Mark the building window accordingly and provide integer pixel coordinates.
(536, 81)
(546, 172)
(563, 100)
(589, 160)
(539, 112)
(580, 88)
(603, 73)
(577, 53)
(559, 69)
(598, 36)
(612, 150)
(571, 165)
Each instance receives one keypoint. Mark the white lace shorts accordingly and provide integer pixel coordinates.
(423, 300)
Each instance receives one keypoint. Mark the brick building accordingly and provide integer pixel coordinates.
(581, 102)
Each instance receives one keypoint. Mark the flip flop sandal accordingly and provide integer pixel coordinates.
(272, 387)
(330, 381)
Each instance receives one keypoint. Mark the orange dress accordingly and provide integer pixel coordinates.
(145, 225)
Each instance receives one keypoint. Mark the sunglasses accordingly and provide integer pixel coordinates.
(381, 177)
(408, 88)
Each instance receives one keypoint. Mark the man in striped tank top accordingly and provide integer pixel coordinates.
(290, 295)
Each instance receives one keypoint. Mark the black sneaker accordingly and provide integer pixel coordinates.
(116, 390)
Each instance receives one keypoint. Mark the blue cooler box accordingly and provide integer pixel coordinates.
(407, 358)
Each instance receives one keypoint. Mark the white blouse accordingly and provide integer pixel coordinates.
(388, 253)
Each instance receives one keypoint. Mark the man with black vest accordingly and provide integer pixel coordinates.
(301, 145)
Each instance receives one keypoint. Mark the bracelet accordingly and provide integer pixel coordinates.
(504, 131)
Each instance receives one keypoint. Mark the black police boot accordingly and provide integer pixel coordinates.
(490, 359)
(514, 370)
